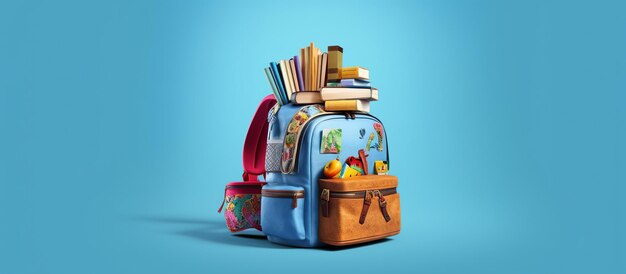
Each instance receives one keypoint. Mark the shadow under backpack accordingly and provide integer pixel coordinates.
(295, 206)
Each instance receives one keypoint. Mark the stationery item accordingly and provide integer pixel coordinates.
(275, 91)
(307, 98)
(316, 78)
(306, 65)
(323, 70)
(354, 83)
(335, 59)
(345, 93)
(302, 68)
(348, 172)
(347, 105)
(314, 65)
(286, 72)
(318, 69)
(277, 76)
(292, 78)
(283, 79)
(294, 75)
(355, 72)
(312, 59)
(298, 65)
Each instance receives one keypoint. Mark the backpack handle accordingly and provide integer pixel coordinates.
(256, 141)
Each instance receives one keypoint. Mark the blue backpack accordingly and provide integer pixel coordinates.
(298, 149)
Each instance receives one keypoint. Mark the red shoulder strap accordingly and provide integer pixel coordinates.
(256, 141)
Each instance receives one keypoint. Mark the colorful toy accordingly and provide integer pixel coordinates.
(360, 164)
(381, 167)
(347, 172)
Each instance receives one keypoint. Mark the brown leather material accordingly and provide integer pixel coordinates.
(324, 199)
(294, 201)
(383, 207)
(365, 182)
(324, 205)
(366, 206)
(348, 221)
(363, 158)
(362, 240)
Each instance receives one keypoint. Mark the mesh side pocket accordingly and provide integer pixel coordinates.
(272, 155)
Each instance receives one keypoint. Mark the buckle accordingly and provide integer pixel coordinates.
(325, 194)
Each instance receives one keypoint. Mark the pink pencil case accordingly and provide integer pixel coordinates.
(243, 205)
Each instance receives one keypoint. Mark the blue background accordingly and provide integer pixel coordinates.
(121, 121)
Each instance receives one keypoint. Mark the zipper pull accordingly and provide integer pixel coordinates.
(223, 200)
(383, 206)
(325, 201)
(294, 201)
(366, 206)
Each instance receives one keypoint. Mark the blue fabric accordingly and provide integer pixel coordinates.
(283, 220)
(309, 169)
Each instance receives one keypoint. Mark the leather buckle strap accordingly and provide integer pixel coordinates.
(382, 203)
(366, 206)
(383, 206)
(325, 201)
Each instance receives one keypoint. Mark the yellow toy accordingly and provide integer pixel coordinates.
(381, 167)
(347, 172)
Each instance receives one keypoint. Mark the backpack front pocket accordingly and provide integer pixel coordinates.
(286, 204)
(359, 209)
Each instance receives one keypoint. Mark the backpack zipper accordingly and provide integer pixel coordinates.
(303, 127)
(366, 195)
(359, 193)
(293, 194)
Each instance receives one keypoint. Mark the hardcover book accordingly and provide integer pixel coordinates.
(279, 83)
(347, 105)
(345, 93)
(354, 83)
(307, 97)
(355, 72)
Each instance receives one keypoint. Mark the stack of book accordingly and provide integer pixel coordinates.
(299, 79)
(316, 77)
(351, 93)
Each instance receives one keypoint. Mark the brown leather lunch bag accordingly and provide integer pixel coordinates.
(358, 209)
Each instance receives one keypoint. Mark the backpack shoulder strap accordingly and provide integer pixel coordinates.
(256, 141)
